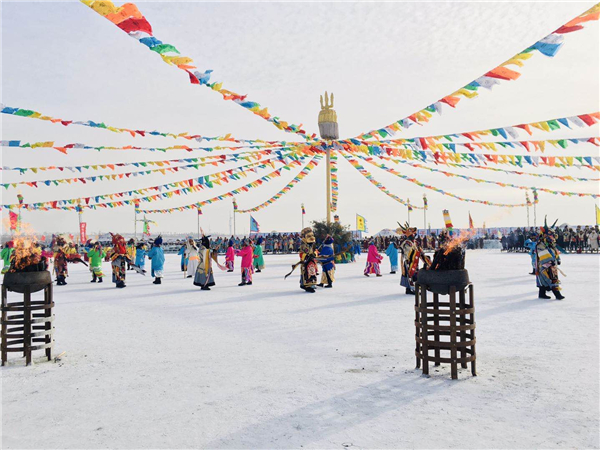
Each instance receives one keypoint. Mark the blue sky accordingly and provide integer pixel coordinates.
(383, 61)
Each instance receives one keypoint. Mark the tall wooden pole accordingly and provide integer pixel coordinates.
(328, 129)
(328, 184)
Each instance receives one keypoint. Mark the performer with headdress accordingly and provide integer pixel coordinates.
(308, 261)
(247, 255)
(259, 260)
(547, 261)
(373, 260)
(204, 272)
(392, 253)
(411, 254)
(95, 256)
(327, 259)
(62, 255)
(157, 256)
(131, 250)
(118, 260)
(191, 254)
(230, 256)
(140, 254)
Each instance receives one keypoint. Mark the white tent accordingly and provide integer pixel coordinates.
(386, 232)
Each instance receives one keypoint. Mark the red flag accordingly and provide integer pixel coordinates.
(82, 232)
(14, 220)
(471, 225)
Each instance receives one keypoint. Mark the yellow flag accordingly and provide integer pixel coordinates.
(361, 223)
(597, 215)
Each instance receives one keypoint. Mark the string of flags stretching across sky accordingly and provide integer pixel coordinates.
(440, 149)
(129, 19)
(547, 46)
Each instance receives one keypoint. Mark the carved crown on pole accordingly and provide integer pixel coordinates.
(328, 126)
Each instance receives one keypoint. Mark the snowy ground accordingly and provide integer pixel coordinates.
(270, 366)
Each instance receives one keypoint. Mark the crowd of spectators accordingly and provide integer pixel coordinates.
(575, 240)
(570, 240)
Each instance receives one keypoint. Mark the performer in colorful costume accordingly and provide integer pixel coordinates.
(157, 256)
(60, 260)
(230, 256)
(5, 255)
(327, 259)
(95, 256)
(118, 260)
(547, 261)
(259, 261)
(411, 254)
(140, 255)
(373, 260)
(191, 254)
(131, 250)
(247, 255)
(308, 261)
(392, 253)
(204, 272)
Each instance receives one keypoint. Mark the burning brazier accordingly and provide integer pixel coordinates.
(27, 324)
(445, 330)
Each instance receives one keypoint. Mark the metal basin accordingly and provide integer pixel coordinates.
(439, 281)
(18, 281)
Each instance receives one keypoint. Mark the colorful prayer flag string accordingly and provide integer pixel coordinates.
(185, 186)
(547, 46)
(478, 180)
(129, 19)
(305, 171)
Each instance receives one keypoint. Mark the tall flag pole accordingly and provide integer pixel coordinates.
(425, 213)
(303, 213)
(136, 210)
(20, 198)
(409, 208)
(528, 205)
(471, 224)
(82, 225)
(447, 220)
(199, 214)
(235, 207)
(535, 202)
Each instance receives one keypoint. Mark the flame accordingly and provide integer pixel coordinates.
(457, 240)
(26, 251)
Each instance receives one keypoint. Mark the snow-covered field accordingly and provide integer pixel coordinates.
(269, 366)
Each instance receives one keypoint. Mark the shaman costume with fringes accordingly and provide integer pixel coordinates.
(547, 257)
(204, 271)
(63, 254)
(309, 269)
(411, 255)
(119, 260)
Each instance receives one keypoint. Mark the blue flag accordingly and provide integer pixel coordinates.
(254, 227)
